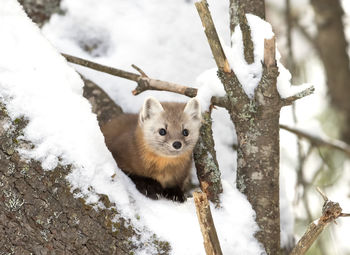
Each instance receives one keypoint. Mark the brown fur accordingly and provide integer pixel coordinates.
(124, 138)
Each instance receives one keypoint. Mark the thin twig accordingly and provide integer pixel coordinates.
(304, 93)
(143, 74)
(318, 141)
(323, 195)
(102, 68)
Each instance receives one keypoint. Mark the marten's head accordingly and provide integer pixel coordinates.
(170, 129)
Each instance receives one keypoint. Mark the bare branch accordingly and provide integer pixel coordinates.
(102, 68)
(330, 212)
(143, 81)
(212, 36)
(211, 240)
(304, 93)
(318, 141)
(143, 74)
(323, 195)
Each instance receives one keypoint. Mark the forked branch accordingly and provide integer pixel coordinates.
(143, 81)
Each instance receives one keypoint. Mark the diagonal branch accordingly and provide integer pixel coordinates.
(304, 93)
(318, 141)
(143, 81)
(212, 36)
(206, 223)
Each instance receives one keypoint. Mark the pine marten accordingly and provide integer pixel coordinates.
(154, 148)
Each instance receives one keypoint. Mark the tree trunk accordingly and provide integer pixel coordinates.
(332, 47)
(38, 212)
(256, 7)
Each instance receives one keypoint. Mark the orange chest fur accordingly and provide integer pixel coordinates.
(160, 163)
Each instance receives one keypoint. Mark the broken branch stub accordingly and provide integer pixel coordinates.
(330, 212)
(210, 237)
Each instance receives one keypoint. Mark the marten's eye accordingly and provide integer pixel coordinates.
(162, 131)
(185, 132)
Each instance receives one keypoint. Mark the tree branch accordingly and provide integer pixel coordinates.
(318, 141)
(212, 36)
(270, 52)
(207, 166)
(144, 83)
(304, 93)
(248, 45)
(211, 240)
(330, 212)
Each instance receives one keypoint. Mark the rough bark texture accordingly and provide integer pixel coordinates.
(38, 212)
(40, 11)
(256, 7)
(256, 122)
(332, 47)
(206, 163)
(102, 104)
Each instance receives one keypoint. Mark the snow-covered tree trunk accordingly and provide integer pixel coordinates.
(257, 126)
(38, 212)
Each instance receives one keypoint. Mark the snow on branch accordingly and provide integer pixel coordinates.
(330, 212)
(212, 36)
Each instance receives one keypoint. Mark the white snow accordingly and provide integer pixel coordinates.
(249, 75)
(36, 83)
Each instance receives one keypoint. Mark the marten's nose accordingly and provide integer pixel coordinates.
(177, 145)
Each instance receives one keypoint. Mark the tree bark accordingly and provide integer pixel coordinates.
(256, 7)
(40, 11)
(206, 163)
(38, 212)
(332, 47)
(257, 127)
(256, 122)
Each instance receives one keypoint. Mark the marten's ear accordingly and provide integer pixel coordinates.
(193, 109)
(151, 107)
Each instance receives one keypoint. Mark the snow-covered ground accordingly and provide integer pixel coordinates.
(165, 38)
